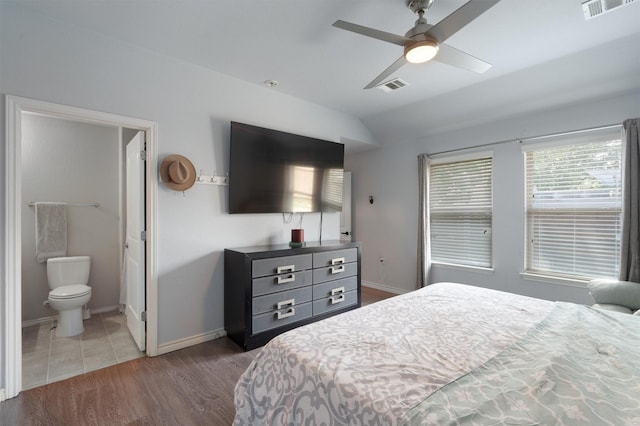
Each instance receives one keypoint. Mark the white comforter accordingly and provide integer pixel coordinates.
(371, 365)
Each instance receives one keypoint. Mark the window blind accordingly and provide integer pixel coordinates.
(460, 208)
(332, 181)
(573, 205)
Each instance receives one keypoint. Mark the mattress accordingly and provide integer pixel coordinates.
(446, 354)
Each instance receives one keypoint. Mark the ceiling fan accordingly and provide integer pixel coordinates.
(424, 42)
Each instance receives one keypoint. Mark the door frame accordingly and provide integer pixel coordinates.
(346, 215)
(12, 332)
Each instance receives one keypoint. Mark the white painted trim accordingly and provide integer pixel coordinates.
(469, 268)
(93, 311)
(12, 364)
(190, 341)
(572, 282)
(12, 357)
(38, 321)
(383, 287)
(121, 207)
(104, 309)
(449, 157)
(151, 139)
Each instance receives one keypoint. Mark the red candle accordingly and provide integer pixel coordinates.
(297, 235)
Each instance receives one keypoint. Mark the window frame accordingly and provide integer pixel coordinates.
(443, 159)
(549, 143)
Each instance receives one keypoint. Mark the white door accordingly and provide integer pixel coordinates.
(346, 233)
(135, 244)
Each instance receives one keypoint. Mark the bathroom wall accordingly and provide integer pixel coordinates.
(78, 163)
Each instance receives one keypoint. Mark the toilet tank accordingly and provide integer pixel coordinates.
(68, 270)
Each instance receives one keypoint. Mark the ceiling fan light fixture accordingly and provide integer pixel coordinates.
(421, 51)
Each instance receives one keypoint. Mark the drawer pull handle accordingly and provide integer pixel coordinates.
(337, 299)
(290, 312)
(286, 268)
(337, 269)
(286, 303)
(338, 290)
(337, 261)
(282, 280)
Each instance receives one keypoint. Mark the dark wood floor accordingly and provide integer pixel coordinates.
(192, 386)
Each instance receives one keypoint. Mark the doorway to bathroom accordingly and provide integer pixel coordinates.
(94, 162)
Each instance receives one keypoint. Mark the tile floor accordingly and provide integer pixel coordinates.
(46, 358)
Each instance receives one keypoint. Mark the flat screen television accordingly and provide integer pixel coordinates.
(277, 172)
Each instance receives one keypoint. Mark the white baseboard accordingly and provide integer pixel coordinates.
(3, 395)
(43, 320)
(190, 341)
(104, 309)
(38, 321)
(383, 287)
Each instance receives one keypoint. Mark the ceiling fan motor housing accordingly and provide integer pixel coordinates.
(419, 5)
(417, 33)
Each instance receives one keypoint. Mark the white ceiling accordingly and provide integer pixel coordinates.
(535, 46)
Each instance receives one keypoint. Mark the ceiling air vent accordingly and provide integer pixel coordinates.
(593, 8)
(392, 85)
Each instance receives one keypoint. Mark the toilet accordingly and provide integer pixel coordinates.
(68, 278)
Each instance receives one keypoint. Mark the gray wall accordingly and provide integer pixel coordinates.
(74, 162)
(388, 228)
(44, 59)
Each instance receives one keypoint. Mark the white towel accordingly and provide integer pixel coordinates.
(51, 230)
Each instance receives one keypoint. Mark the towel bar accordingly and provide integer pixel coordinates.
(33, 203)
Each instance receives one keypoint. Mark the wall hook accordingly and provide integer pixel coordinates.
(370, 199)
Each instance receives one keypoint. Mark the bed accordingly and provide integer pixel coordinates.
(449, 354)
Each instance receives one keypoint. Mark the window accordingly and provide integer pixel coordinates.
(332, 181)
(573, 206)
(460, 210)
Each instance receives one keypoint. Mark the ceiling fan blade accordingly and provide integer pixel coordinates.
(386, 73)
(458, 19)
(452, 56)
(370, 32)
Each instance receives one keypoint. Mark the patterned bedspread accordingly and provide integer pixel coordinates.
(578, 366)
(371, 366)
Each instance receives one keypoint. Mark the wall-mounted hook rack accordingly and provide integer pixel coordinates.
(213, 179)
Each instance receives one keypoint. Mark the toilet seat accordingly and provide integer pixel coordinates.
(69, 292)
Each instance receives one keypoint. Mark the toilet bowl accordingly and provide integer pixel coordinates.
(68, 278)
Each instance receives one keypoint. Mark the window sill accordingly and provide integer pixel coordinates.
(468, 268)
(572, 282)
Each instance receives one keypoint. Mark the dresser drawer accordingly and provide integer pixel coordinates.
(280, 265)
(276, 301)
(334, 272)
(335, 302)
(331, 288)
(281, 317)
(274, 283)
(337, 257)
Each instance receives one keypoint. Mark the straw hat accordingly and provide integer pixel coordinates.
(177, 172)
